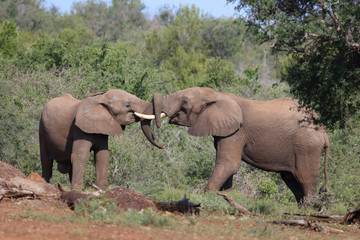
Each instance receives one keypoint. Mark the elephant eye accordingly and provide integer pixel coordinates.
(127, 105)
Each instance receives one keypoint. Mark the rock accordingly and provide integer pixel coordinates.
(36, 177)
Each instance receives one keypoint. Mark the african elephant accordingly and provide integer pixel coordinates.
(69, 129)
(271, 135)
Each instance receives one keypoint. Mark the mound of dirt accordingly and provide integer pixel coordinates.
(129, 199)
(7, 171)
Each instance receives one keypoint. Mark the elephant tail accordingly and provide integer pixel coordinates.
(326, 157)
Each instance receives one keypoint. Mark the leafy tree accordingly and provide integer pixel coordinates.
(181, 34)
(322, 40)
(8, 39)
(223, 37)
(28, 14)
(114, 21)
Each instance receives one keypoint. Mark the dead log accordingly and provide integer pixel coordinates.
(18, 187)
(11, 192)
(181, 206)
(242, 210)
(352, 217)
(308, 224)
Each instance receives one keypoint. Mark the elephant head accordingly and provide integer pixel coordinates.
(109, 112)
(205, 111)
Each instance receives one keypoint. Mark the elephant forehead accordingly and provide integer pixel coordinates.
(197, 93)
(117, 93)
(120, 96)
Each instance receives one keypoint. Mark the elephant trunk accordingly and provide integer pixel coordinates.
(166, 104)
(158, 107)
(145, 127)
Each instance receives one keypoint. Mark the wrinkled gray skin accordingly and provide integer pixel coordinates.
(270, 135)
(69, 129)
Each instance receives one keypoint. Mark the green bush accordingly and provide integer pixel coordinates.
(147, 218)
(97, 208)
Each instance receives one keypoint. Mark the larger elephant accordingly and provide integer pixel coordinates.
(271, 135)
(69, 129)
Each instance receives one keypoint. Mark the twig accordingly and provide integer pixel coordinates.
(308, 224)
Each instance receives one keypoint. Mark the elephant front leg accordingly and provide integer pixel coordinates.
(101, 166)
(79, 156)
(228, 159)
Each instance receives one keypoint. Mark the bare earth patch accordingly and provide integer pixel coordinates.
(51, 219)
(25, 215)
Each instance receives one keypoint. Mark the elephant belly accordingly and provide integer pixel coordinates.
(60, 149)
(276, 160)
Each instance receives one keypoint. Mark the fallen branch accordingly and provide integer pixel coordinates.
(19, 187)
(181, 206)
(308, 224)
(241, 209)
(350, 218)
(22, 193)
(321, 218)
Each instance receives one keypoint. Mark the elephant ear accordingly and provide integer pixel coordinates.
(93, 116)
(220, 117)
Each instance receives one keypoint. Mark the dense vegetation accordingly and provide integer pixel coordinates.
(96, 47)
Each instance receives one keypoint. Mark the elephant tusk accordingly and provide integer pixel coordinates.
(148, 117)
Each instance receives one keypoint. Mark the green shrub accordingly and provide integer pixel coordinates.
(147, 218)
(97, 208)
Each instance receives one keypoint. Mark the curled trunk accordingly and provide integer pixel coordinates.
(145, 127)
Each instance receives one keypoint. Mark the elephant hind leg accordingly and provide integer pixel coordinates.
(46, 160)
(294, 186)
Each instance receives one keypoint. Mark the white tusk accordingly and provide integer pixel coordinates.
(148, 117)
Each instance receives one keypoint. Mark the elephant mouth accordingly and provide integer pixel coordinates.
(178, 120)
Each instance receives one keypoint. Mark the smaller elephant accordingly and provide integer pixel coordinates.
(69, 129)
(271, 135)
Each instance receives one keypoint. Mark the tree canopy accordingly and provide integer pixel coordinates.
(322, 41)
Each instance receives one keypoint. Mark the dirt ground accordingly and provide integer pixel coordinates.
(34, 219)
(44, 219)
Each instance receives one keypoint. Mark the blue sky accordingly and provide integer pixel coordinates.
(216, 8)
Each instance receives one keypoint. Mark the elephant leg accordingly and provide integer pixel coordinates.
(79, 156)
(228, 159)
(70, 174)
(294, 185)
(228, 184)
(46, 160)
(101, 166)
(307, 171)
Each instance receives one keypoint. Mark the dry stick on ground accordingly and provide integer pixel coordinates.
(308, 224)
(351, 217)
(321, 218)
(241, 209)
